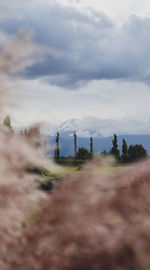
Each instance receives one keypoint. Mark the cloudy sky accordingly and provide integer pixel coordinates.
(95, 61)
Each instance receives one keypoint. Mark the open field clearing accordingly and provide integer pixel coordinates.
(63, 171)
(71, 170)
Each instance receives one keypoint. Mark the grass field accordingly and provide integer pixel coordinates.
(62, 171)
(71, 170)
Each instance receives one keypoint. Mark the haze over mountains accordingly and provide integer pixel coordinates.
(102, 132)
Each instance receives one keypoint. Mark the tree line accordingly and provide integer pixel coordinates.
(129, 153)
(80, 153)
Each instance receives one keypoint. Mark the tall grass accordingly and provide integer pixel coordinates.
(91, 221)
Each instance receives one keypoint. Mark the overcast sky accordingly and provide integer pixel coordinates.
(96, 60)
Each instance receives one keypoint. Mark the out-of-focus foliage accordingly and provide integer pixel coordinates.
(92, 221)
(19, 195)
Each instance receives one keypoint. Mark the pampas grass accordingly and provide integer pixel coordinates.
(92, 221)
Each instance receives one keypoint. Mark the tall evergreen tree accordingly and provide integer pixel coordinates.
(91, 147)
(124, 156)
(57, 152)
(75, 144)
(114, 150)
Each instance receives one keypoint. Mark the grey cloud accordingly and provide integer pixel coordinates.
(91, 46)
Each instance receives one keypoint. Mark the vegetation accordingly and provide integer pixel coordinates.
(60, 234)
(83, 153)
(91, 147)
(115, 200)
(114, 150)
(136, 152)
(57, 152)
(75, 144)
(80, 155)
(129, 154)
(124, 157)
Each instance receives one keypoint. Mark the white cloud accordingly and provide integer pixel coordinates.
(86, 46)
(126, 103)
(120, 10)
(97, 127)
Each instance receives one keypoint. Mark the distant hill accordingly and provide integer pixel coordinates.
(100, 143)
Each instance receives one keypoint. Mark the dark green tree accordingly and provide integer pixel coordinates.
(83, 153)
(124, 156)
(114, 150)
(91, 147)
(136, 152)
(75, 144)
(57, 152)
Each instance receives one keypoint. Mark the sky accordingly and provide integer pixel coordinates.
(94, 61)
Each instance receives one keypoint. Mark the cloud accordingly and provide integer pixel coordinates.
(90, 45)
(97, 127)
(126, 103)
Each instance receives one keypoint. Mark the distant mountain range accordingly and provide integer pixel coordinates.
(101, 130)
(100, 143)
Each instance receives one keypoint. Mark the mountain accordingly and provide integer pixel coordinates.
(97, 127)
(101, 130)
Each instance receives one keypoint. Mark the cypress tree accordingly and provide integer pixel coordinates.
(124, 151)
(75, 144)
(114, 150)
(91, 147)
(57, 152)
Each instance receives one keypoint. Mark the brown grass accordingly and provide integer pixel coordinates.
(91, 224)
